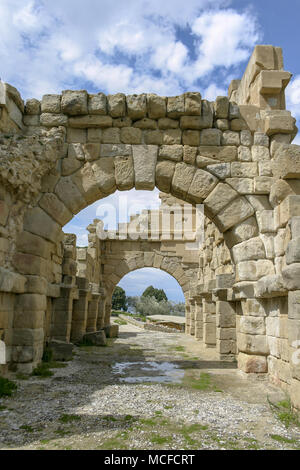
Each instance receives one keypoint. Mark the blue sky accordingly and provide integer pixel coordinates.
(133, 46)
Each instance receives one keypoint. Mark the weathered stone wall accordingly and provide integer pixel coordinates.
(234, 155)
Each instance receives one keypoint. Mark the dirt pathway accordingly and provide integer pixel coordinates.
(145, 390)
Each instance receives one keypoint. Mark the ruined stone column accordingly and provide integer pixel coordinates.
(91, 324)
(187, 318)
(226, 329)
(101, 311)
(209, 321)
(198, 318)
(192, 317)
(80, 310)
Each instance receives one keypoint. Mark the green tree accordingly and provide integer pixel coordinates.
(118, 301)
(158, 294)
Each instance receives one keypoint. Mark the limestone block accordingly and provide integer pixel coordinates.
(198, 122)
(175, 106)
(55, 208)
(111, 135)
(261, 139)
(153, 137)
(192, 103)
(74, 102)
(37, 221)
(27, 336)
(96, 338)
(293, 251)
(182, 179)
(164, 174)
(286, 162)
(244, 170)
(104, 174)
(289, 208)
(253, 307)
(253, 270)
(220, 170)
(279, 124)
(252, 249)
(145, 123)
(270, 286)
(246, 138)
(230, 138)
(167, 123)
(90, 121)
(201, 186)
(268, 241)
(265, 220)
(76, 135)
(221, 107)
(136, 106)
(243, 231)
(29, 243)
(221, 195)
(157, 106)
(265, 168)
(116, 105)
(190, 137)
(293, 331)
(4, 212)
(144, 160)
(295, 393)
(53, 120)
(279, 243)
(122, 122)
(263, 184)
(241, 185)
(210, 137)
(280, 189)
(291, 276)
(111, 331)
(124, 172)
(33, 106)
(222, 124)
(238, 125)
(51, 104)
(260, 153)
(225, 315)
(252, 325)
(97, 104)
(273, 326)
(114, 150)
(252, 344)
(61, 351)
(224, 154)
(259, 202)
(172, 136)
(295, 226)
(237, 211)
(68, 192)
(244, 154)
(171, 152)
(252, 363)
(294, 305)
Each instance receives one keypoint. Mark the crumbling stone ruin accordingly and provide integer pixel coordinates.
(234, 155)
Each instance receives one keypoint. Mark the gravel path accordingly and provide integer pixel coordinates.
(146, 390)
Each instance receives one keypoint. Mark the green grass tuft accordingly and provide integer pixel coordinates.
(69, 418)
(6, 387)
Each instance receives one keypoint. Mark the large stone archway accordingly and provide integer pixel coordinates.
(233, 155)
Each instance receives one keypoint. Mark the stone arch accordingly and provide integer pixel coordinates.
(232, 155)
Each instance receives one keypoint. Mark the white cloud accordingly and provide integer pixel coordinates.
(293, 96)
(131, 46)
(212, 91)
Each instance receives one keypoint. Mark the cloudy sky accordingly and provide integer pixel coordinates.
(133, 46)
